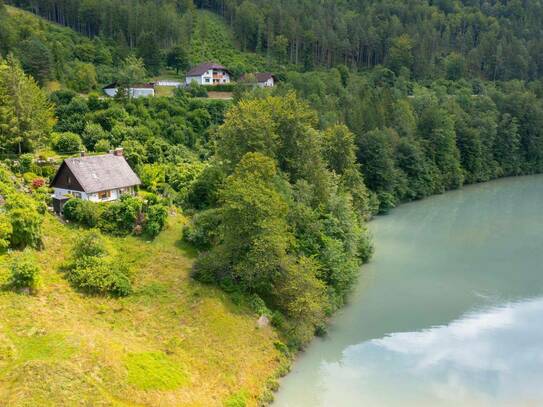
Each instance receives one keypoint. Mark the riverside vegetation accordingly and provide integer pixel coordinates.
(274, 186)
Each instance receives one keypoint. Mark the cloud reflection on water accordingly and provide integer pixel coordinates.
(492, 357)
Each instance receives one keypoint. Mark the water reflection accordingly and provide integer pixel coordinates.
(489, 358)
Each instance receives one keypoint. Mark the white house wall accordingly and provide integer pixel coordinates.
(111, 92)
(115, 194)
(207, 78)
(134, 92)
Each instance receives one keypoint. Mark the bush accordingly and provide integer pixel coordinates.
(202, 231)
(102, 146)
(5, 232)
(238, 399)
(91, 269)
(227, 87)
(84, 212)
(155, 220)
(38, 183)
(68, 143)
(99, 275)
(24, 274)
(26, 223)
(89, 244)
(212, 267)
(196, 90)
(119, 218)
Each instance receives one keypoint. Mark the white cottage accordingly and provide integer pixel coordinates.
(263, 79)
(99, 178)
(208, 74)
(136, 91)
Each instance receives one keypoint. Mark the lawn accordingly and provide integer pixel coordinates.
(174, 342)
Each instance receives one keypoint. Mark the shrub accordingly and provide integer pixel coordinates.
(212, 267)
(238, 399)
(91, 269)
(227, 87)
(5, 232)
(102, 146)
(25, 162)
(84, 212)
(119, 218)
(196, 90)
(202, 231)
(38, 183)
(89, 244)
(24, 274)
(68, 143)
(100, 275)
(155, 220)
(26, 223)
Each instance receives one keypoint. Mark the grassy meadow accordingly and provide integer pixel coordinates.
(173, 342)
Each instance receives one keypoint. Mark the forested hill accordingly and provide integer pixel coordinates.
(497, 40)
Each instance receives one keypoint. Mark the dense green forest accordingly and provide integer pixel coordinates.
(498, 40)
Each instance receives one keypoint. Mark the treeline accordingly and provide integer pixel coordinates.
(282, 209)
(497, 40)
(416, 139)
(129, 22)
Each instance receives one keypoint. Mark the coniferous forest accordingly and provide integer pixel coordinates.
(377, 103)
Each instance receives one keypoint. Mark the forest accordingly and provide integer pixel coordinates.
(498, 40)
(279, 183)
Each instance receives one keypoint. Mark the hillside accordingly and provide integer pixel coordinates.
(173, 342)
(213, 40)
(54, 54)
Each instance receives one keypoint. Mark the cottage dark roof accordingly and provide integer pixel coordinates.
(101, 172)
(201, 69)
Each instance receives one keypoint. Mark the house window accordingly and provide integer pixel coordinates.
(104, 195)
(76, 194)
(207, 80)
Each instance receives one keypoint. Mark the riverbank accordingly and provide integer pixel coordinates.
(449, 264)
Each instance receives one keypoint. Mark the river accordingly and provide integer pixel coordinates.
(448, 313)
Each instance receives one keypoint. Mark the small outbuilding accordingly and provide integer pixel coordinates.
(208, 74)
(263, 79)
(136, 91)
(99, 178)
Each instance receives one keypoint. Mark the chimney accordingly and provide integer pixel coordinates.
(118, 152)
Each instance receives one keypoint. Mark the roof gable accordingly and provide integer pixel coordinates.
(64, 178)
(201, 69)
(99, 173)
(260, 77)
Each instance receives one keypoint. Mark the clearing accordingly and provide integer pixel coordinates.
(173, 342)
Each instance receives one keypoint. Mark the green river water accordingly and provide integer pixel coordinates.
(448, 313)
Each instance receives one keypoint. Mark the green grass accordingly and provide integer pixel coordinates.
(154, 371)
(238, 399)
(41, 346)
(173, 342)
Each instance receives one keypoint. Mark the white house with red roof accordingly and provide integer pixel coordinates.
(208, 74)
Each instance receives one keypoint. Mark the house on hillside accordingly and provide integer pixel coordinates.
(208, 74)
(263, 79)
(136, 91)
(99, 178)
